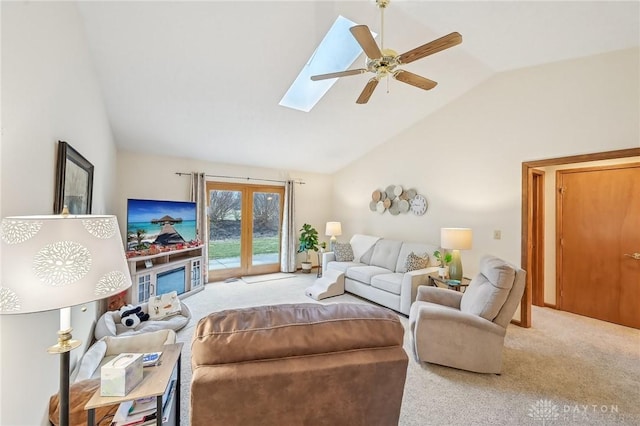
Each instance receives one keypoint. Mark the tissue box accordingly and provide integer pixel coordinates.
(120, 375)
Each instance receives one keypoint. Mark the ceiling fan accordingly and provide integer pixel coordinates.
(385, 62)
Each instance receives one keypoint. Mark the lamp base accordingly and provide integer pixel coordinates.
(332, 243)
(63, 347)
(455, 267)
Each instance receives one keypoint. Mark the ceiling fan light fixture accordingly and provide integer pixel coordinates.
(383, 62)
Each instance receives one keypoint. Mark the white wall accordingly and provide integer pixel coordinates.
(467, 158)
(49, 93)
(154, 177)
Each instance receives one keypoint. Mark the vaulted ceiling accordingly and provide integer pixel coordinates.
(203, 79)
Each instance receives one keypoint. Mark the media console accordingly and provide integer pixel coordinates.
(154, 274)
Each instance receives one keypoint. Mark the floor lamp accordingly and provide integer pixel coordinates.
(456, 239)
(332, 230)
(55, 262)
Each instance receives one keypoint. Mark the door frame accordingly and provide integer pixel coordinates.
(536, 203)
(246, 238)
(526, 253)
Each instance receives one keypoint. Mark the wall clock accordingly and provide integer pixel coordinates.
(419, 205)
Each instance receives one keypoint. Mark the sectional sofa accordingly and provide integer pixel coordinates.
(379, 271)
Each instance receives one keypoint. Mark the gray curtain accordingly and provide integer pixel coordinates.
(288, 247)
(199, 195)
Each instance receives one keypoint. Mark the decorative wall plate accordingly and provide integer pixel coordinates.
(394, 209)
(372, 206)
(403, 206)
(380, 208)
(390, 191)
(397, 191)
(375, 196)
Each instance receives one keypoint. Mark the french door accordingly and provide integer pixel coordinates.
(245, 223)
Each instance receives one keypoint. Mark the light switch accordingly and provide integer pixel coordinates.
(497, 234)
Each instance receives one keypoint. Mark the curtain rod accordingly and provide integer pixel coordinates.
(299, 182)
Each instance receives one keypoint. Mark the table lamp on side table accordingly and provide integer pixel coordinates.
(55, 262)
(456, 239)
(332, 230)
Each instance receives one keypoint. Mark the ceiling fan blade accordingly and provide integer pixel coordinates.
(414, 79)
(364, 38)
(337, 74)
(430, 48)
(367, 91)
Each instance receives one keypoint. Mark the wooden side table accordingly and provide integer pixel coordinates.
(437, 281)
(155, 382)
(319, 272)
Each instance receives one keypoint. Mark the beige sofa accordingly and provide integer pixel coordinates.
(302, 364)
(378, 270)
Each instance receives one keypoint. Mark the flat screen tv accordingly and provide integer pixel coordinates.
(159, 222)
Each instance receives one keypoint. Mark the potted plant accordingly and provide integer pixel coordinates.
(444, 259)
(308, 241)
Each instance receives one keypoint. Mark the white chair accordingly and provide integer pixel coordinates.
(108, 347)
(466, 330)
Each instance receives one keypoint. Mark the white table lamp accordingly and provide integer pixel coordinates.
(332, 230)
(55, 262)
(456, 239)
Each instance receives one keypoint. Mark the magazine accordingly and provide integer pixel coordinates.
(151, 359)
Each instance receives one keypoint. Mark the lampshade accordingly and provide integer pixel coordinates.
(333, 229)
(456, 238)
(52, 262)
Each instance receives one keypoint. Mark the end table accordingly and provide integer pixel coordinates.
(319, 273)
(155, 382)
(437, 281)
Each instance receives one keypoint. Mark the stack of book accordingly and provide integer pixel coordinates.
(143, 411)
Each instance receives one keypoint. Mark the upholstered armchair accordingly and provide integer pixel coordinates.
(466, 330)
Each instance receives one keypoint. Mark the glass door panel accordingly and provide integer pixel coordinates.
(266, 228)
(225, 226)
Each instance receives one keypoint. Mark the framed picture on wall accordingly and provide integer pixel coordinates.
(74, 181)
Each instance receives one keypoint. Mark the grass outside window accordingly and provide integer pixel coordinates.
(222, 249)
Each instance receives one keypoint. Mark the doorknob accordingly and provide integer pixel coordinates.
(635, 256)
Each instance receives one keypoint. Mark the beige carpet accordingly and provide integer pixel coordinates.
(565, 370)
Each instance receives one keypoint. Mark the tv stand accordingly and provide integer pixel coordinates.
(145, 271)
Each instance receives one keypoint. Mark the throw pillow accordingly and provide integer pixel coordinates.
(343, 252)
(415, 262)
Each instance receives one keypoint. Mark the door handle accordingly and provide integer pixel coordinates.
(635, 256)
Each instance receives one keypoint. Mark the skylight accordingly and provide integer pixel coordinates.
(336, 52)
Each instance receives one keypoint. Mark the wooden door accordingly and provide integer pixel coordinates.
(598, 228)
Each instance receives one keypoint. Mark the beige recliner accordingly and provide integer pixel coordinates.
(298, 364)
(466, 330)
